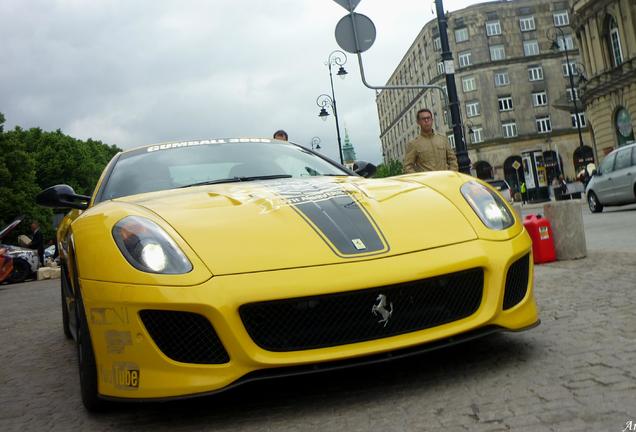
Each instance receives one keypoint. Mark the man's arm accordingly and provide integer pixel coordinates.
(451, 158)
(410, 158)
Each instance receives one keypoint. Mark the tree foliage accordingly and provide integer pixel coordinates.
(32, 160)
(389, 169)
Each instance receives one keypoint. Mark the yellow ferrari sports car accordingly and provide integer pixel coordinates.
(197, 266)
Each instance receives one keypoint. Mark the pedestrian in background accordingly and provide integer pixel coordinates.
(429, 151)
(524, 191)
(37, 241)
(281, 135)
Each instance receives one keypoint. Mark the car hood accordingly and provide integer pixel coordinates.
(267, 225)
(7, 229)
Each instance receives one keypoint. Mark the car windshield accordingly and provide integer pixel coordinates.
(193, 163)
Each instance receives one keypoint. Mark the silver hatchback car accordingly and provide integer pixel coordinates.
(614, 183)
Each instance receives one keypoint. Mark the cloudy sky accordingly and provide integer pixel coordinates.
(139, 72)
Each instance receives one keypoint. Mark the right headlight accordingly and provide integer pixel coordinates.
(148, 248)
(488, 205)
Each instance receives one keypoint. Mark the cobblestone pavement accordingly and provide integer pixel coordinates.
(575, 372)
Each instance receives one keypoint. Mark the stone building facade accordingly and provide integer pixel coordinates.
(606, 31)
(514, 89)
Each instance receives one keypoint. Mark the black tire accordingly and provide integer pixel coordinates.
(593, 203)
(65, 320)
(21, 271)
(86, 360)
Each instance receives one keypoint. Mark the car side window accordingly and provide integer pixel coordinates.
(607, 166)
(623, 158)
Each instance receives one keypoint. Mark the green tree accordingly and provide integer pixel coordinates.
(389, 169)
(32, 160)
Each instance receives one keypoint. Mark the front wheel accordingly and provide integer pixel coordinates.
(21, 271)
(65, 317)
(86, 361)
(592, 201)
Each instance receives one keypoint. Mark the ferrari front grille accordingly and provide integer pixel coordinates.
(356, 316)
(516, 282)
(184, 336)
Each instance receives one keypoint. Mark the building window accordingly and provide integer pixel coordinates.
(543, 124)
(502, 78)
(565, 43)
(561, 18)
(493, 28)
(497, 52)
(535, 73)
(476, 135)
(469, 84)
(505, 103)
(461, 35)
(465, 59)
(437, 44)
(567, 70)
(440, 68)
(509, 129)
(451, 141)
(472, 109)
(572, 93)
(527, 23)
(530, 48)
(615, 42)
(539, 99)
(582, 121)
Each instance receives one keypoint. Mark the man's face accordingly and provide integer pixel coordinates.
(34, 226)
(280, 136)
(425, 120)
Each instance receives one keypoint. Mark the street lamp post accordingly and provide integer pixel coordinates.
(552, 36)
(336, 58)
(315, 143)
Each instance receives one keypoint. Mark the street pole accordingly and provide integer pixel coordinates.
(449, 67)
(335, 113)
(574, 94)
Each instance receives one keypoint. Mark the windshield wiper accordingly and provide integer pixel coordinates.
(237, 179)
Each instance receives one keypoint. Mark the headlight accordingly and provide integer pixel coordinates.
(488, 205)
(149, 248)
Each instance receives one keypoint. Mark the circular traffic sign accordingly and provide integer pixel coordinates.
(365, 32)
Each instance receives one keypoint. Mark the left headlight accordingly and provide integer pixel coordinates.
(488, 205)
(149, 248)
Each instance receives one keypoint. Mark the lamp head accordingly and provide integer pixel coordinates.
(323, 114)
(342, 72)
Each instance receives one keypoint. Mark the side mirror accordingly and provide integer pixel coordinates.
(364, 169)
(62, 196)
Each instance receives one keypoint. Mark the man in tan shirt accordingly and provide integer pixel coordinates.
(429, 151)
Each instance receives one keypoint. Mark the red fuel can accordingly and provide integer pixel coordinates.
(540, 232)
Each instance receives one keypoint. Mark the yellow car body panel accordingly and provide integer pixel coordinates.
(266, 241)
(113, 309)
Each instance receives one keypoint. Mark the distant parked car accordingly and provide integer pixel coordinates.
(614, 183)
(503, 187)
(24, 261)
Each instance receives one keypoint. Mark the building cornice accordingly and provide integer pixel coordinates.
(616, 78)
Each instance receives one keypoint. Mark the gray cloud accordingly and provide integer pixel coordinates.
(134, 73)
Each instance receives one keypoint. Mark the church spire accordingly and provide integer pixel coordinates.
(348, 152)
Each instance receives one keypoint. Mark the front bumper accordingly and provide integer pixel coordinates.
(130, 364)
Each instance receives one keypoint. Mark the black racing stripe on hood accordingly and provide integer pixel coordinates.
(335, 215)
(342, 221)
